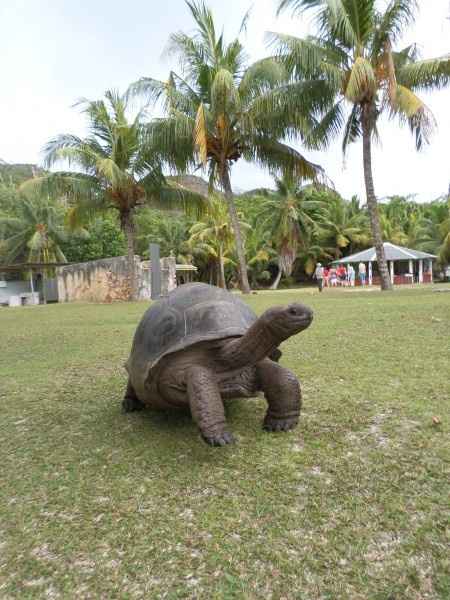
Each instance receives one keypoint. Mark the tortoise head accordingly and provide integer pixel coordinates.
(284, 321)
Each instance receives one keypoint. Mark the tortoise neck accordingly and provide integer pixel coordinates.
(257, 343)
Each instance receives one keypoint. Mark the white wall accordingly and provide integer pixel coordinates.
(13, 288)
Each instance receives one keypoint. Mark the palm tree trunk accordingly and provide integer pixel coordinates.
(127, 222)
(222, 283)
(243, 277)
(367, 122)
(276, 283)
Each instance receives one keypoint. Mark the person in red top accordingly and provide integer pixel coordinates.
(326, 276)
(342, 274)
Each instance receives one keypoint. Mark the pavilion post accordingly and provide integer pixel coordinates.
(431, 270)
(421, 270)
(391, 269)
(369, 270)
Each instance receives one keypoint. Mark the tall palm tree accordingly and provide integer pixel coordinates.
(290, 215)
(217, 113)
(116, 170)
(353, 57)
(35, 233)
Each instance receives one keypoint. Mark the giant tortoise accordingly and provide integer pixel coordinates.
(201, 344)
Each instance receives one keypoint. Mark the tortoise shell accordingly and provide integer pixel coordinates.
(191, 313)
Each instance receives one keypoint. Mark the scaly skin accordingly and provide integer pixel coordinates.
(272, 328)
(203, 374)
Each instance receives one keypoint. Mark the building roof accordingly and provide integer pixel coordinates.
(391, 251)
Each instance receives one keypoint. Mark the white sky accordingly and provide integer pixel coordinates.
(56, 51)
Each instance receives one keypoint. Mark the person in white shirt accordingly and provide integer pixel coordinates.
(362, 273)
(350, 275)
(318, 275)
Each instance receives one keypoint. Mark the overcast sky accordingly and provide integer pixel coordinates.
(56, 51)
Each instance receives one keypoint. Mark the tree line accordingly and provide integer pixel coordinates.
(286, 230)
(219, 109)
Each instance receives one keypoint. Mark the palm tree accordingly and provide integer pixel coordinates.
(258, 252)
(116, 170)
(289, 215)
(171, 232)
(434, 234)
(214, 236)
(352, 58)
(217, 113)
(311, 252)
(34, 234)
(342, 228)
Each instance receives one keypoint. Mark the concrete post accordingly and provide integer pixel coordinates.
(421, 270)
(391, 265)
(370, 273)
(155, 272)
(169, 270)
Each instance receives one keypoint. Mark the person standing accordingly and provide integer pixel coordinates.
(326, 276)
(350, 276)
(342, 275)
(362, 273)
(318, 275)
(333, 276)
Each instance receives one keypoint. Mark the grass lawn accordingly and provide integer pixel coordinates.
(353, 504)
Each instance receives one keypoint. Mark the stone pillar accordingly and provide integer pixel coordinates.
(155, 271)
(169, 274)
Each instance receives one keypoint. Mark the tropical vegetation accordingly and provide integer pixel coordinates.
(117, 170)
(352, 61)
(219, 109)
(33, 233)
(287, 231)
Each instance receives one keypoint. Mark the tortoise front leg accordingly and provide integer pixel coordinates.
(130, 401)
(207, 406)
(282, 391)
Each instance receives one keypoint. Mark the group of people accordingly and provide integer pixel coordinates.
(339, 276)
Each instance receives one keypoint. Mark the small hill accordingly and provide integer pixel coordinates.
(18, 173)
(191, 182)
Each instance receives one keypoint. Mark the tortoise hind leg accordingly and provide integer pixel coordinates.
(207, 406)
(130, 402)
(282, 391)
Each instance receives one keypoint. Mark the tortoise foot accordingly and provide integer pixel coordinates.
(219, 439)
(131, 405)
(276, 424)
